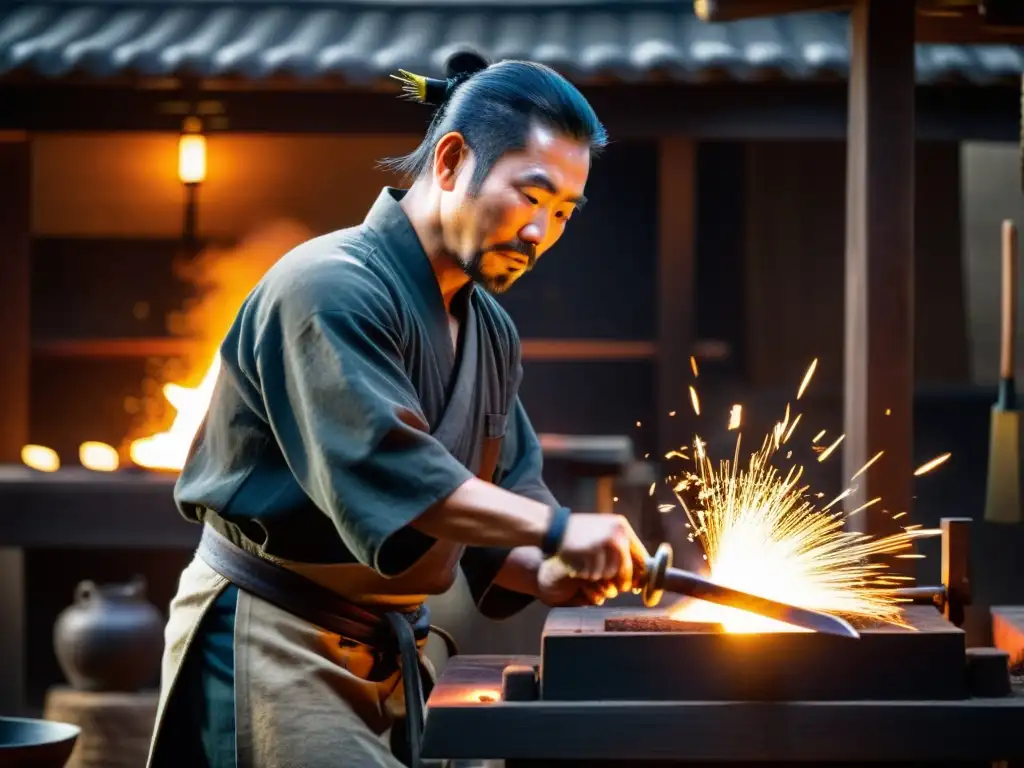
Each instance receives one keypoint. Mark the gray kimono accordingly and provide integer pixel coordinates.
(342, 413)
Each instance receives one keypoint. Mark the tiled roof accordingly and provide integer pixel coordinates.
(363, 41)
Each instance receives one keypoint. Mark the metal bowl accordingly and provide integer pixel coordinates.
(26, 743)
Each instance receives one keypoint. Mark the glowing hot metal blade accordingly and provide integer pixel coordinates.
(660, 577)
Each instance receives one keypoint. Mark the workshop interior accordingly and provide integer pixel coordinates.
(781, 340)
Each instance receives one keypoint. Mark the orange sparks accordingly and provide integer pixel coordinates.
(864, 469)
(828, 451)
(928, 466)
(862, 507)
(792, 428)
(735, 414)
(694, 400)
(807, 378)
(693, 365)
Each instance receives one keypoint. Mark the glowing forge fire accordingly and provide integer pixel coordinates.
(223, 278)
(168, 450)
(762, 533)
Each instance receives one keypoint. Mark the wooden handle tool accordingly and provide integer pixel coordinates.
(1008, 315)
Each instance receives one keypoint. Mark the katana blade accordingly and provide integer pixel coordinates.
(685, 583)
(659, 576)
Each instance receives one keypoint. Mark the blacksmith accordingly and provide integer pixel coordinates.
(365, 439)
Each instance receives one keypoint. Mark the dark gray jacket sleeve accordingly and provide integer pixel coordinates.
(349, 423)
(519, 471)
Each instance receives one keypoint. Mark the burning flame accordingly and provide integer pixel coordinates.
(223, 277)
(762, 533)
(168, 450)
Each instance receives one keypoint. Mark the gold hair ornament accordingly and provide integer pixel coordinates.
(413, 86)
(427, 90)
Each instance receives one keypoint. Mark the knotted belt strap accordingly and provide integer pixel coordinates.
(394, 633)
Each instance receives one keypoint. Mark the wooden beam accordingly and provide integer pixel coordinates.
(965, 26)
(734, 10)
(559, 350)
(15, 237)
(587, 349)
(677, 172)
(879, 344)
(112, 349)
(722, 112)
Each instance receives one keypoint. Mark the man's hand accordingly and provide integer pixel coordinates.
(558, 587)
(602, 548)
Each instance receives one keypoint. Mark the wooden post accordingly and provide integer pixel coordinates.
(879, 345)
(677, 171)
(15, 233)
(734, 10)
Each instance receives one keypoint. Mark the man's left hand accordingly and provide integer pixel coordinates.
(556, 587)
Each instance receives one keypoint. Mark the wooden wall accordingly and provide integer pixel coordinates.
(107, 209)
(991, 193)
(106, 218)
(795, 223)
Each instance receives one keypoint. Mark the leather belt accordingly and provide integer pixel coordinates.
(391, 633)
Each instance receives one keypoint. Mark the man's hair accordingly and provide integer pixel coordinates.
(495, 108)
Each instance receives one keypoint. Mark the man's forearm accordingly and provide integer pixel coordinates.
(519, 572)
(480, 514)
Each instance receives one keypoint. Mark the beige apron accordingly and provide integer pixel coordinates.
(301, 695)
(302, 699)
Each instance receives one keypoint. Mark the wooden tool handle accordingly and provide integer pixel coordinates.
(1008, 315)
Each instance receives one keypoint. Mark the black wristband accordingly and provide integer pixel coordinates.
(556, 531)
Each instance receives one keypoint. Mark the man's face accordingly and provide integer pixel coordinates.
(520, 210)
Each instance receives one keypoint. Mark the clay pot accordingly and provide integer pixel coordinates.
(110, 638)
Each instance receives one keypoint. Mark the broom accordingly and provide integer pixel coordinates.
(1003, 496)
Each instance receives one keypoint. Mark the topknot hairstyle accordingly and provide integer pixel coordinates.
(494, 106)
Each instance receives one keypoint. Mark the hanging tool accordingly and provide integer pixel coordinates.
(1003, 494)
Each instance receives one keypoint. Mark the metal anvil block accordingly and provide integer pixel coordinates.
(582, 659)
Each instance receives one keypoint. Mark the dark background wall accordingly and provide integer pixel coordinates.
(769, 275)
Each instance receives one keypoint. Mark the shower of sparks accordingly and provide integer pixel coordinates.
(818, 436)
(761, 532)
(930, 465)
